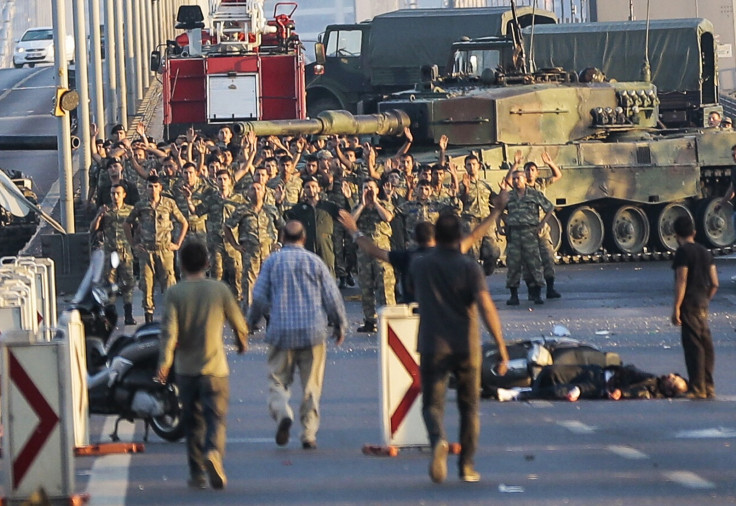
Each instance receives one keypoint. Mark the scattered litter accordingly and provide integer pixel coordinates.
(509, 489)
(602, 333)
(560, 331)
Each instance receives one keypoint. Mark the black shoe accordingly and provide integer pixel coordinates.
(367, 328)
(149, 317)
(309, 445)
(343, 283)
(349, 280)
(282, 433)
(199, 481)
(551, 292)
(514, 299)
(129, 320)
(535, 293)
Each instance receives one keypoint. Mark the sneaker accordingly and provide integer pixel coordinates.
(469, 475)
(309, 445)
(218, 480)
(282, 433)
(506, 394)
(438, 464)
(574, 394)
(367, 328)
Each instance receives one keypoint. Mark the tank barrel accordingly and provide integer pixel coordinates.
(33, 142)
(391, 122)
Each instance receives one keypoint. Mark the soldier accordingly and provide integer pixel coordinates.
(376, 278)
(522, 230)
(258, 225)
(546, 249)
(216, 208)
(340, 192)
(190, 186)
(317, 217)
(424, 208)
(111, 221)
(476, 195)
(114, 172)
(288, 180)
(152, 242)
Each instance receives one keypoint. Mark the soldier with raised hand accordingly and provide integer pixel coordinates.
(258, 225)
(522, 231)
(216, 208)
(187, 188)
(476, 196)
(111, 221)
(546, 249)
(152, 219)
(376, 278)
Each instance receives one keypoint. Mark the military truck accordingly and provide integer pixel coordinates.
(359, 65)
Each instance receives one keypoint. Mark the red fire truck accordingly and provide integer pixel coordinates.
(243, 67)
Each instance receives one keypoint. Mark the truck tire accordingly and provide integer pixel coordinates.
(322, 104)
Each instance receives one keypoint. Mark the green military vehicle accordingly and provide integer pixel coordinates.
(627, 176)
(359, 65)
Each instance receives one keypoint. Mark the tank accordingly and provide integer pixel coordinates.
(626, 177)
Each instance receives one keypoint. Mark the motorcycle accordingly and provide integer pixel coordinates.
(120, 374)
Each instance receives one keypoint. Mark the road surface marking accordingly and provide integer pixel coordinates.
(250, 440)
(28, 77)
(689, 480)
(627, 452)
(576, 427)
(108, 483)
(710, 433)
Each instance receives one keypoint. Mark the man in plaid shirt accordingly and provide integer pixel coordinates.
(300, 296)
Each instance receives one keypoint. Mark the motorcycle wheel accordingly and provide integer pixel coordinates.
(169, 425)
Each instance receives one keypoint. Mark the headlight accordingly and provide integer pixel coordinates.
(20, 50)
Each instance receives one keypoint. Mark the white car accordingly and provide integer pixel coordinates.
(37, 46)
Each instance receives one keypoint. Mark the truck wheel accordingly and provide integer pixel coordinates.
(322, 104)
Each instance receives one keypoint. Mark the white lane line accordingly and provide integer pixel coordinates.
(26, 116)
(689, 480)
(627, 452)
(250, 440)
(108, 482)
(710, 433)
(21, 82)
(576, 427)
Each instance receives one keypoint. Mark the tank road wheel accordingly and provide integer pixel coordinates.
(664, 225)
(715, 227)
(584, 231)
(555, 231)
(629, 229)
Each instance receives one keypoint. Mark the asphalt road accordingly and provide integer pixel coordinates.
(25, 109)
(589, 452)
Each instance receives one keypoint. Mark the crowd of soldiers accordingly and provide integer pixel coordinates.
(235, 195)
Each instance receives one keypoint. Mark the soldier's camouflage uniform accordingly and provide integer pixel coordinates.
(154, 231)
(476, 198)
(257, 233)
(197, 227)
(223, 255)
(415, 211)
(546, 248)
(522, 238)
(292, 190)
(114, 240)
(376, 278)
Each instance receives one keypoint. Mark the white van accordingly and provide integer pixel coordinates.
(37, 46)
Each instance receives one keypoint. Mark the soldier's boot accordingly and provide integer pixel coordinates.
(129, 320)
(535, 293)
(551, 292)
(529, 290)
(149, 317)
(514, 299)
(349, 280)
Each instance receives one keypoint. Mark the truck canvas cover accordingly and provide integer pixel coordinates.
(617, 48)
(405, 40)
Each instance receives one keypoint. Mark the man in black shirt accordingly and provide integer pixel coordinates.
(696, 282)
(452, 294)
